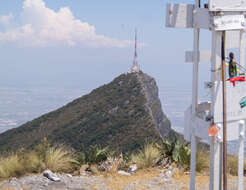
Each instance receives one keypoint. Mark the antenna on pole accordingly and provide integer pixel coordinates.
(135, 67)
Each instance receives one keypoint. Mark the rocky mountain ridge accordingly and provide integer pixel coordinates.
(122, 115)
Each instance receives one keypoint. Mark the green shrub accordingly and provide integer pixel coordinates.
(94, 155)
(176, 152)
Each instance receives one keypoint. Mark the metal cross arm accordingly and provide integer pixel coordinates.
(187, 16)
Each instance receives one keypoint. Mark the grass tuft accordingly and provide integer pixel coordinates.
(11, 167)
(59, 159)
(147, 157)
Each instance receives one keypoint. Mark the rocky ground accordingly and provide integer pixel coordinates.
(153, 179)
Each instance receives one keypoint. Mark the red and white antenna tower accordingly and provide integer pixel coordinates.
(135, 67)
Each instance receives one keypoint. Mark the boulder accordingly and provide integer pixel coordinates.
(51, 176)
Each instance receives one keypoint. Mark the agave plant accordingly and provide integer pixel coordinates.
(176, 151)
(94, 155)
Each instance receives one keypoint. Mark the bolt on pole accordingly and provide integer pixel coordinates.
(224, 112)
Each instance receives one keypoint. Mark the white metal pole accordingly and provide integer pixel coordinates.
(214, 164)
(194, 139)
(194, 108)
(215, 146)
(241, 123)
(242, 48)
(195, 68)
(241, 129)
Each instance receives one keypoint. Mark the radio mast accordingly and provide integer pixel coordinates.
(135, 67)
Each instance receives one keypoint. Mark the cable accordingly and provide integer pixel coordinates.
(244, 69)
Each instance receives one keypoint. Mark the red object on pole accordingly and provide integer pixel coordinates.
(234, 79)
(213, 130)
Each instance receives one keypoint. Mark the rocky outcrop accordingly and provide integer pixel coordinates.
(153, 105)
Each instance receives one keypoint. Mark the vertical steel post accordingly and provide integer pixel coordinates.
(241, 129)
(215, 145)
(194, 139)
(242, 122)
(224, 112)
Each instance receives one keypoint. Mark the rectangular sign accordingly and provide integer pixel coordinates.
(229, 22)
(179, 15)
(202, 18)
(204, 56)
(232, 39)
(234, 96)
(227, 5)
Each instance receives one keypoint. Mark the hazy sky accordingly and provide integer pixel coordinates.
(86, 43)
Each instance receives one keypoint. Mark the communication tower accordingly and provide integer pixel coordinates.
(135, 67)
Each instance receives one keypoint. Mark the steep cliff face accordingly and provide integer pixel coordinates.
(153, 105)
(122, 115)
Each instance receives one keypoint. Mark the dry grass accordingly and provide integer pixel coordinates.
(147, 157)
(11, 167)
(117, 163)
(232, 165)
(119, 182)
(94, 169)
(33, 163)
(56, 159)
(202, 161)
(59, 159)
(14, 188)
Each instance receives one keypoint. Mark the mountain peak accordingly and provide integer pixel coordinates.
(122, 115)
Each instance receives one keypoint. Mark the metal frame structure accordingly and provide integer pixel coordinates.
(226, 20)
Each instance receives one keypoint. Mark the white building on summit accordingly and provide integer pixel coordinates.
(135, 67)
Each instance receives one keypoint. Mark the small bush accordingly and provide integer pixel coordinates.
(147, 157)
(11, 167)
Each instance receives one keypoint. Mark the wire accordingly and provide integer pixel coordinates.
(244, 69)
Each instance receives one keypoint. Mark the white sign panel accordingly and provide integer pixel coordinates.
(204, 56)
(229, 22)
(232, 39)
(234, 97)
(202, 18)
(179, 15)
(227, 5)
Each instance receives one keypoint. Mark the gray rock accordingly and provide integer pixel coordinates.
(123, 173)
(126, 102)
(133, 168)
(50, 175)
(168, 173)
(113, 110)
